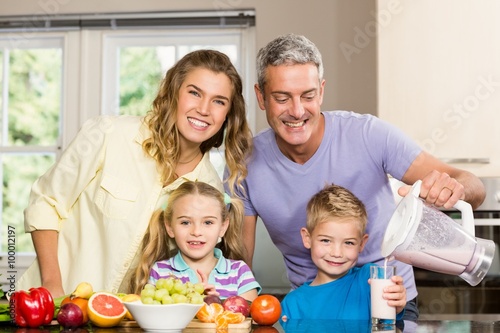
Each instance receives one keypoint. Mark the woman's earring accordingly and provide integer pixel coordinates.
(219, 240)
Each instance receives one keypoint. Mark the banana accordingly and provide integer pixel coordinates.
(83, 290)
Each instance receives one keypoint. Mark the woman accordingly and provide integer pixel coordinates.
(87, 215)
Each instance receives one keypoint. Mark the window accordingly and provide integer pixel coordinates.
(52, 81)
(130, 85)
(30, 126)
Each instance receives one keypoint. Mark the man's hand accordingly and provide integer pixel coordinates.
(438, 189)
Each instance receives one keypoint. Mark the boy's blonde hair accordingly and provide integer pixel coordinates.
(335, 202)
(157, 245)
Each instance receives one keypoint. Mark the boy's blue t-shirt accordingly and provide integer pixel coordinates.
(347, 298)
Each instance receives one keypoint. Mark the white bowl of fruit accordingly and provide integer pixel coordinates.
(168, 306)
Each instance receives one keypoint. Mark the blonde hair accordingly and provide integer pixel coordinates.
(335, 202)
(157, 245)
(164, 145)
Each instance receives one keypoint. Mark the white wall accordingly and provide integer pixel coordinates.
(439, 78)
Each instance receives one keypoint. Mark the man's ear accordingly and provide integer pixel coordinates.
(260, 96)
(306, 238)
(321, 92)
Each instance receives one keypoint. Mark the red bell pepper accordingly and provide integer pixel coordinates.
(32, 309)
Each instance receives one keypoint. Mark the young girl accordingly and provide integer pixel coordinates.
(87, 215)
(197, 238)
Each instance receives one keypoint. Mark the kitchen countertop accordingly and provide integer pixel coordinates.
(428, 323)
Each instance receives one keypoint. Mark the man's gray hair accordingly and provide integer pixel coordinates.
(287, 49)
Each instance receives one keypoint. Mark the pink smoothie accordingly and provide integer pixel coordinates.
(452, 262)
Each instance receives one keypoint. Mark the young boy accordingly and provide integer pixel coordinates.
(335, 234)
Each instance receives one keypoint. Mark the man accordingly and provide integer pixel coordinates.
(305, 149)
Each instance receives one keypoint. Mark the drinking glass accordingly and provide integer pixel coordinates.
(382, 313)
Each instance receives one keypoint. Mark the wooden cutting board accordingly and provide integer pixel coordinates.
(196, 326)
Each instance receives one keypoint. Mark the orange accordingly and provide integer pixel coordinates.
(105, 309)
(222, 320)
(82, 304)
(208, 313)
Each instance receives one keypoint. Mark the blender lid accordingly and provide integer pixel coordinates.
(405, 217)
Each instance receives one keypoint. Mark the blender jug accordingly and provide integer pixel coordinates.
(423, 236)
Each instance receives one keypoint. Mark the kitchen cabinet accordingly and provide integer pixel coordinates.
(439, 77)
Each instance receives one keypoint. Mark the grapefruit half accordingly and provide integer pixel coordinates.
(105, 309)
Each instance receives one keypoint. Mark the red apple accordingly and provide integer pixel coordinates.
(70, 316)
(237, 304)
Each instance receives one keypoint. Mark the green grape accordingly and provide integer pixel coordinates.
(195, 298)
(147, 300)
(161, 284)
(179, 298)
(172, 290)
(147, 292)
(159, 293)
(190, 290)
(179, 288)
(167, 299)
(149, 286)
(169, 283)
(199, 288)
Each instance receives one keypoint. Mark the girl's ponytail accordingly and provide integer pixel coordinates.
(155, 246)
(232, 245)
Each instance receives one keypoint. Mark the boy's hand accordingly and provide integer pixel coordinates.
(396, 295)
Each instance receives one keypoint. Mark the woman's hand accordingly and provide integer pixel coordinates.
(56, 290)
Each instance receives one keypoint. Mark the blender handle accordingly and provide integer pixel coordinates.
(464, 207)
(467, 216)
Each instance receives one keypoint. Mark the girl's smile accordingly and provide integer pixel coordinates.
(196, 226)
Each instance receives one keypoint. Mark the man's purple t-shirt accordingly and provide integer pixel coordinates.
(357, 152)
